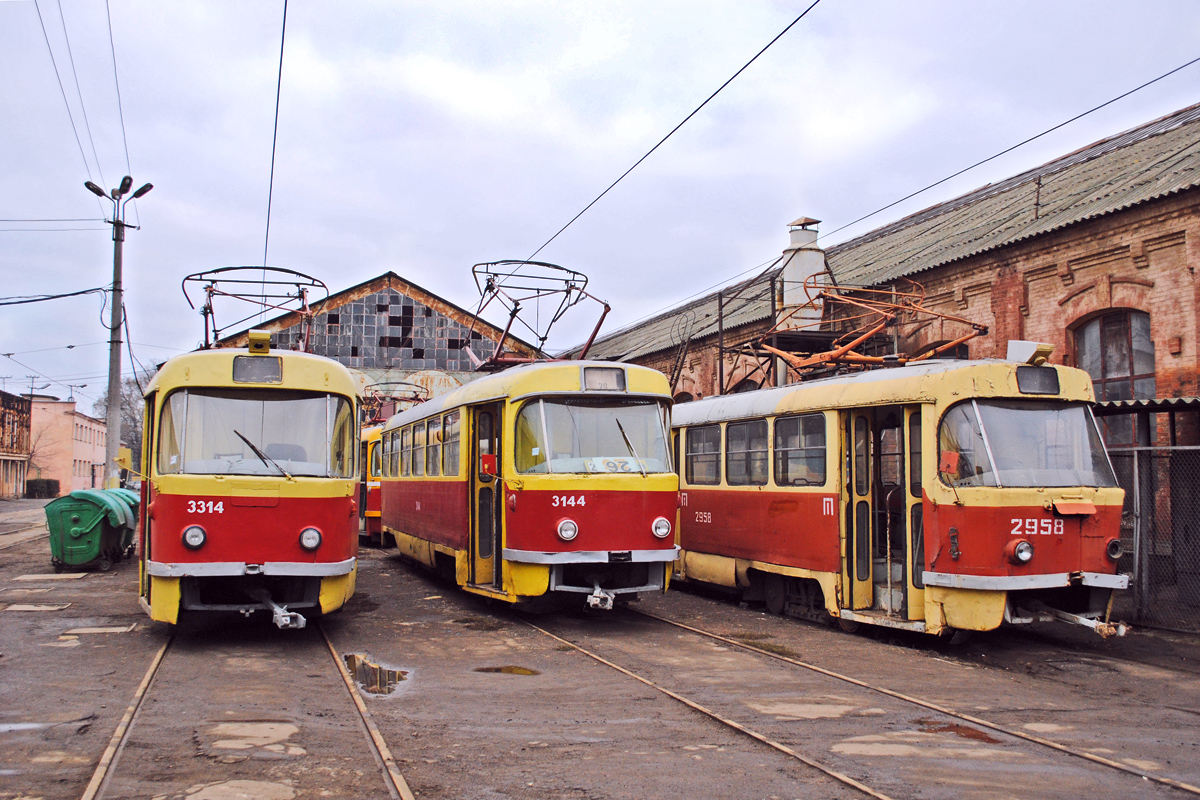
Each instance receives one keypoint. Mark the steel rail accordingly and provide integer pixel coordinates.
(1096, 759)
(121, 735)
(737, 726)
(37, 538)
(397, 784)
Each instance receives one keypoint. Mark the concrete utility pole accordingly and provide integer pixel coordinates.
(112, 433)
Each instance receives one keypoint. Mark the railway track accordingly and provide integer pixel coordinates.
(722, 709)
(260, 735)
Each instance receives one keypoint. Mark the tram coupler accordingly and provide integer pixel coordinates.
(283, 619)
(601, 599)
(1104, 628)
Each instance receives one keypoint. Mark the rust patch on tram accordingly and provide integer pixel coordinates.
(373, 678)
(966, 732)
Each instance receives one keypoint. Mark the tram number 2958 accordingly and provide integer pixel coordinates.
(1032, 526)
(563, 500)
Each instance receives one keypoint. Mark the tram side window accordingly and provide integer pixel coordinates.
(433, 453)
(377, 459)
(962, 455)
(450, 437)
(171, 434)
(384, 449)
(344, 449)
(914, 454)
(800, 450)
(704, 455)
(746, 453)
(405, 452)
(418, 451)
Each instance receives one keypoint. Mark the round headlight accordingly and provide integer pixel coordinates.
(310, 538)
(661, 527)
(1114, 550)
(1022, 552)
(567, 530)
(194, 537)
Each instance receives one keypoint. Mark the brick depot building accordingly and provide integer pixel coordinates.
(1094, 253)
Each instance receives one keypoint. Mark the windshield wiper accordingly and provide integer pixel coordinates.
(629, 444)
(266, 459)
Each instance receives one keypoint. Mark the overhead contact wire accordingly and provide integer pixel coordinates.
(79, 91)
(87, 167)
(274, 141)
(673, 130)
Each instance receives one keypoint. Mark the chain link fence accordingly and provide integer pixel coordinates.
(1160, 530)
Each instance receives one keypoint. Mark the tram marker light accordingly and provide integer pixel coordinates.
(194, 537)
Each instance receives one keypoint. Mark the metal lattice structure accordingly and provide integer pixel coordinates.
(279, 289)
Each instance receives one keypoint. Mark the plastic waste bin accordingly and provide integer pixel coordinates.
(87, 526)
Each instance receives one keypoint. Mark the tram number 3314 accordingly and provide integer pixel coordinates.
(563, 500)
(205, 507)
(1033, 526)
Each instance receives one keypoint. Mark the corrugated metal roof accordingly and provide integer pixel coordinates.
(745, 302)
(1147, 162)
(1109, 408)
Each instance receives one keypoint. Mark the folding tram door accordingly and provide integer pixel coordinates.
(487, 492)
(883, 548)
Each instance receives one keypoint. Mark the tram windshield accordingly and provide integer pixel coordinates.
(257, 432)
(1021, 443)
(591, 436)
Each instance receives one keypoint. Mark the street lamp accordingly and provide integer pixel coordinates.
(112, 435)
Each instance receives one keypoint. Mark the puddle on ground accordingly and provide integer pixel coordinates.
(371, 677)
(1046, 727)
(234, 790)
(509, 670)
(966, 732)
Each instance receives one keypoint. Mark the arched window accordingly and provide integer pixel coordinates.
(1117, 352)
(683, 397)
(744, 385)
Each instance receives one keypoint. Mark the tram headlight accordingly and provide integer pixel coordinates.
(310, 538)
(661, 527)
(1114, 549)
(194, 537)
(567, 530)
(1019, 551)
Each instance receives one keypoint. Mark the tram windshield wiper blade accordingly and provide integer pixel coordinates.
(629, 444)
(266, 459)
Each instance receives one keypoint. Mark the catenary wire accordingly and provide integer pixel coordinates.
(274, 141)
(120, 110)
(38, 298)
(673, 130)
(63, 91)
(79, 92)
(1013, 147)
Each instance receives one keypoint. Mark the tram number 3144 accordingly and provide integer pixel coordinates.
(563, 500)
(1033, 526)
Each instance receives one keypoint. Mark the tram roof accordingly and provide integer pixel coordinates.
(884, 386)
(545, 377)
(209, 368)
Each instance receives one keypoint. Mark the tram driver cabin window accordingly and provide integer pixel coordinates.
(703, 466)
(746, 455)
(800, 450)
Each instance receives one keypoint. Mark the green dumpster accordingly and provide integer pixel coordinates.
(132, 499)
(87, 526)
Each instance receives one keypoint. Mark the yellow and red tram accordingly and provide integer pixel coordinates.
(546, 480)
(370, 469)
(250, 469)
(935, 497)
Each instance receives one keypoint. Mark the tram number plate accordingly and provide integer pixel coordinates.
(563, 500)
(1033, 526)
(703, 516)
(206, 507)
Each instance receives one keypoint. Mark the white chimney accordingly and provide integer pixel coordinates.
(801, 260)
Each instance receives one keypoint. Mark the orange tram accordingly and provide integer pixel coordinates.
(542, 482)
(937, 497)
(249, 482)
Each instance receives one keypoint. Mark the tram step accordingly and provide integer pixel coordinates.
(881, 598)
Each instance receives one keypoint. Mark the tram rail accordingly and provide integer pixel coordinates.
(922, 703)
(394, 781)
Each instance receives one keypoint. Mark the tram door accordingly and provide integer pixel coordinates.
(486, 492)
(914, 510)
(858, 469)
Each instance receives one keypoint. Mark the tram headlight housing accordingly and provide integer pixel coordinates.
(661, 527)
(567, 530)
(1019, 551)
(310, 538)
(1114, 549)
(194, 537)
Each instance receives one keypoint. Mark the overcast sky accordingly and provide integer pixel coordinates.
(425, 137)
